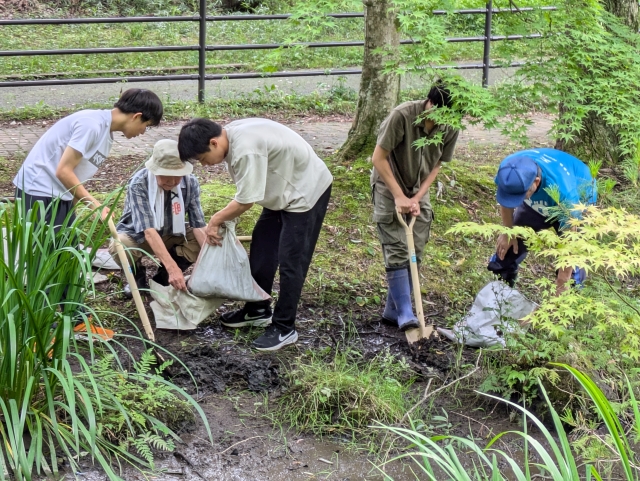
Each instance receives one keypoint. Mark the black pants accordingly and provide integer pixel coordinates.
(64, 207)
(285, 239)
(524, 216)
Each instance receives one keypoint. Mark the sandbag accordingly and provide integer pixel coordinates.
(496, 306)
(174, 309)
(223, 271)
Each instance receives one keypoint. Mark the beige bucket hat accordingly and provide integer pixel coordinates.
(165, 160)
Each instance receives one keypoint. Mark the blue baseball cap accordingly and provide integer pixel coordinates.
(515, 176)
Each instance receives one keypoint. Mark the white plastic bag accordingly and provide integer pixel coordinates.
(496, 305)
(223, 271)
(174, 309)
(103, 260)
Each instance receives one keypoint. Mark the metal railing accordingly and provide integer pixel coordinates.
(203, 48)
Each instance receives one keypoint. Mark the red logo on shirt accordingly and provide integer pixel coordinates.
(176, 208)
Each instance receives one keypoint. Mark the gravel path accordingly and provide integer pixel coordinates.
(16, 139)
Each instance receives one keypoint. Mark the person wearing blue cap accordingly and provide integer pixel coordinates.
(524, 180)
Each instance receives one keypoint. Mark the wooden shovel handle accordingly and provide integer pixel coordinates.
(126, 267)
(414, 335)
(404, 223)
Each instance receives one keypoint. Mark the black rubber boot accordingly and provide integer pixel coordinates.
(140, 275)
(162, 276)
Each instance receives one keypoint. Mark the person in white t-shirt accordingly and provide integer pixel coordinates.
(274, 167)
(70, 152)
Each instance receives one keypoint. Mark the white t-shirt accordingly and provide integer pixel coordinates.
(274, 167)
(87, 131)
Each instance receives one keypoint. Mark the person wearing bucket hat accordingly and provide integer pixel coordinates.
(524, 181)
(153, 221)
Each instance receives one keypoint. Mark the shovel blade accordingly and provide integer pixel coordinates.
(414, 335)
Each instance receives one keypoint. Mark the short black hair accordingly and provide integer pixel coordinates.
(440, 95)
(195, 136)
(142, 101)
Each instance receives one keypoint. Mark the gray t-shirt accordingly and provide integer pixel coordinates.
(274, 167)
(411, 165)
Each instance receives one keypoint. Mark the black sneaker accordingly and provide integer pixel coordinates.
(274, 339)
(247, 317)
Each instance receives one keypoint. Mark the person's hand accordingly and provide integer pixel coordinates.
(504, 243)
(404, 205)
(415, 207)
(105, 213)
(213, 235)
(176, 278)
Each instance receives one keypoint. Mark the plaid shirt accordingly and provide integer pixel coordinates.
(138, 209)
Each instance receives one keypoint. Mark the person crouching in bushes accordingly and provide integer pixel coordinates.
(524, 181)
(153, 221)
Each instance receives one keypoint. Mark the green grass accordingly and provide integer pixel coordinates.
(224, 33)
(57, 400)
(335, 392)
(184, 33)
(266, 101)
(455, 458)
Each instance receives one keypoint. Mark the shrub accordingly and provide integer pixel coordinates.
(597, 328)
(556, 462)
(52, 400)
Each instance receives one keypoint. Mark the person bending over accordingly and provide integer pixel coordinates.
(523, 182)
(274, 167)
(74, 148)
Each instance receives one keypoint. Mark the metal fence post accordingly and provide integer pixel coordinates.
(202, 57)
(486, 59)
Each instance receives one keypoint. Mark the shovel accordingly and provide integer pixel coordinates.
(126, 267)
(414, 335)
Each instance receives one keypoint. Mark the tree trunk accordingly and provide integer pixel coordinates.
(625, 10)
(379, 92)
(599, 139)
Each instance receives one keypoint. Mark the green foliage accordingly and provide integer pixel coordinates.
(340, 391)
(175, 33)
(143, 406)
(596, 328)
(51, 402)
(555, 458)
(631, 166)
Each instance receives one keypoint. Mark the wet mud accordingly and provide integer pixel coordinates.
(214, 371)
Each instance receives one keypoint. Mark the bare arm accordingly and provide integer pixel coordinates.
(200, 236)
(176, 278)
(381, 164)
(505, 242)
(507, 216)
(424, 187)
(65, 173)
(231, 211)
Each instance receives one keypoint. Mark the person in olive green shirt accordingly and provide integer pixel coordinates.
(400, 181)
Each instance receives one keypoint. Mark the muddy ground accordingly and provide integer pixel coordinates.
(237, 387)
